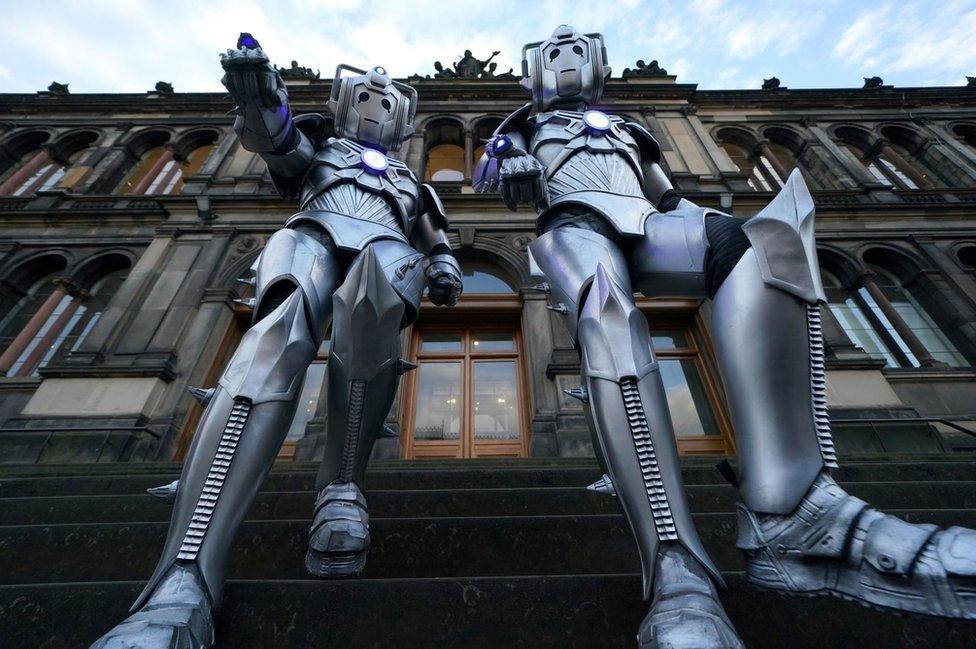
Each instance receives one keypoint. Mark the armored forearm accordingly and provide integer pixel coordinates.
(429, 233)
(658, 188)
(264, 122)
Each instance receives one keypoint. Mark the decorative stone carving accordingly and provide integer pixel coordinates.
(164, 88)
(469, 66)
(296, 71)
(771, 83)
(873, 82)
(245, 244)
(58, 88)
(971, 82)
(644, 70)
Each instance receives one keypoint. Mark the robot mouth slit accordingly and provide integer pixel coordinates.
(371, 120)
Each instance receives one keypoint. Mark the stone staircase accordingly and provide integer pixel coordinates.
(465, 554)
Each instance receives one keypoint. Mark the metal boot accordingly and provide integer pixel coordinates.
(686, 613)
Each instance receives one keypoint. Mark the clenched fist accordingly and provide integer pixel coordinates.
(522, 179)
(443, 280)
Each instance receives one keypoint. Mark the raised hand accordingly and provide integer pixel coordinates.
(249, 77)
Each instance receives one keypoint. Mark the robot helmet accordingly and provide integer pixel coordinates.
(569, 67)
(372, 108)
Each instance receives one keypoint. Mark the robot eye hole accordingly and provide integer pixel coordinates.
(363, 96)
(386, 103)
(553, 54)
(578, 50)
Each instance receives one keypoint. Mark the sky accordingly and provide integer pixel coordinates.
(129, 45)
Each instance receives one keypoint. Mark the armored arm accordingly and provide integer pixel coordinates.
(657, 185)
(507, 167)
(264, 122)
(429, 235)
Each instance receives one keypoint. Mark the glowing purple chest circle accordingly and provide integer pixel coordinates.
(597, 122)
(373, 161)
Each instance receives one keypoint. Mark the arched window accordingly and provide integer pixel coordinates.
(48, 167)
(46, 176)
(751, 159)
(898, 155)
(162, 166)
(480, 277)
(855, 316)
(52, 319)
(483, 131)
(881, 316)
(444, 144)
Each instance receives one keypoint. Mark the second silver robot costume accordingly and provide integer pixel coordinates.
(610, 223)
(367, 240)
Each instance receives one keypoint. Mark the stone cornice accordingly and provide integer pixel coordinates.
(468, 95)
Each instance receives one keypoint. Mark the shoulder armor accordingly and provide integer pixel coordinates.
(517, 121)
(431, 204)
(649, 147)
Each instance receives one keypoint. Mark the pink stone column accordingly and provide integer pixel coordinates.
(21, 175)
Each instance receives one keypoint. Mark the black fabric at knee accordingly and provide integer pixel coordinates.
(726, 245)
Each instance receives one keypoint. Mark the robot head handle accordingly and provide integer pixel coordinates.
(372, 108)
(568, 68)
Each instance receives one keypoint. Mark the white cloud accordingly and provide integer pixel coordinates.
(110, 46)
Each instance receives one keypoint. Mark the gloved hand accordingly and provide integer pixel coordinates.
(522, 179)
(443, 280)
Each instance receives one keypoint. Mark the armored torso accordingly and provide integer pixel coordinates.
(358, 195)
(592, 160)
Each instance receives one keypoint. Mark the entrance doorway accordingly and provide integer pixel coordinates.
(466, 399)
(469, 397)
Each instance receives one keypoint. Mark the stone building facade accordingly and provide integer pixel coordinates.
(126, 221)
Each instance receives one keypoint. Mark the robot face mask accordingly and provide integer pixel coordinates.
(371, 108)
(568, 68)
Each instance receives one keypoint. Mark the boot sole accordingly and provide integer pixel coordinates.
(827, 592)
(335, 565)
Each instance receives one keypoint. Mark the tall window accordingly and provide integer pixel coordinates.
(480, 277)
(762, 174)
(57, 321)
(159, 171)
(24, 310)
(445, 152)
(46, 176)
(869, 324)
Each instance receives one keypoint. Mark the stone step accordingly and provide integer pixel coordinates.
(437, 503)
(435, 476)
(460, 613)
(402, 547)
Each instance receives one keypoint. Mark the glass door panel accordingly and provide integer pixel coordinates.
(464, 399)
(439, 402)
(495, 401)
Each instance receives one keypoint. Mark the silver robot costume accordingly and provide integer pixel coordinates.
(358, 254)
(609, 223)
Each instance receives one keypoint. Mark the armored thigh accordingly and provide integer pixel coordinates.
(671, 260)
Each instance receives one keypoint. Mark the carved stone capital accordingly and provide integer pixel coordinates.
(72, 288)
